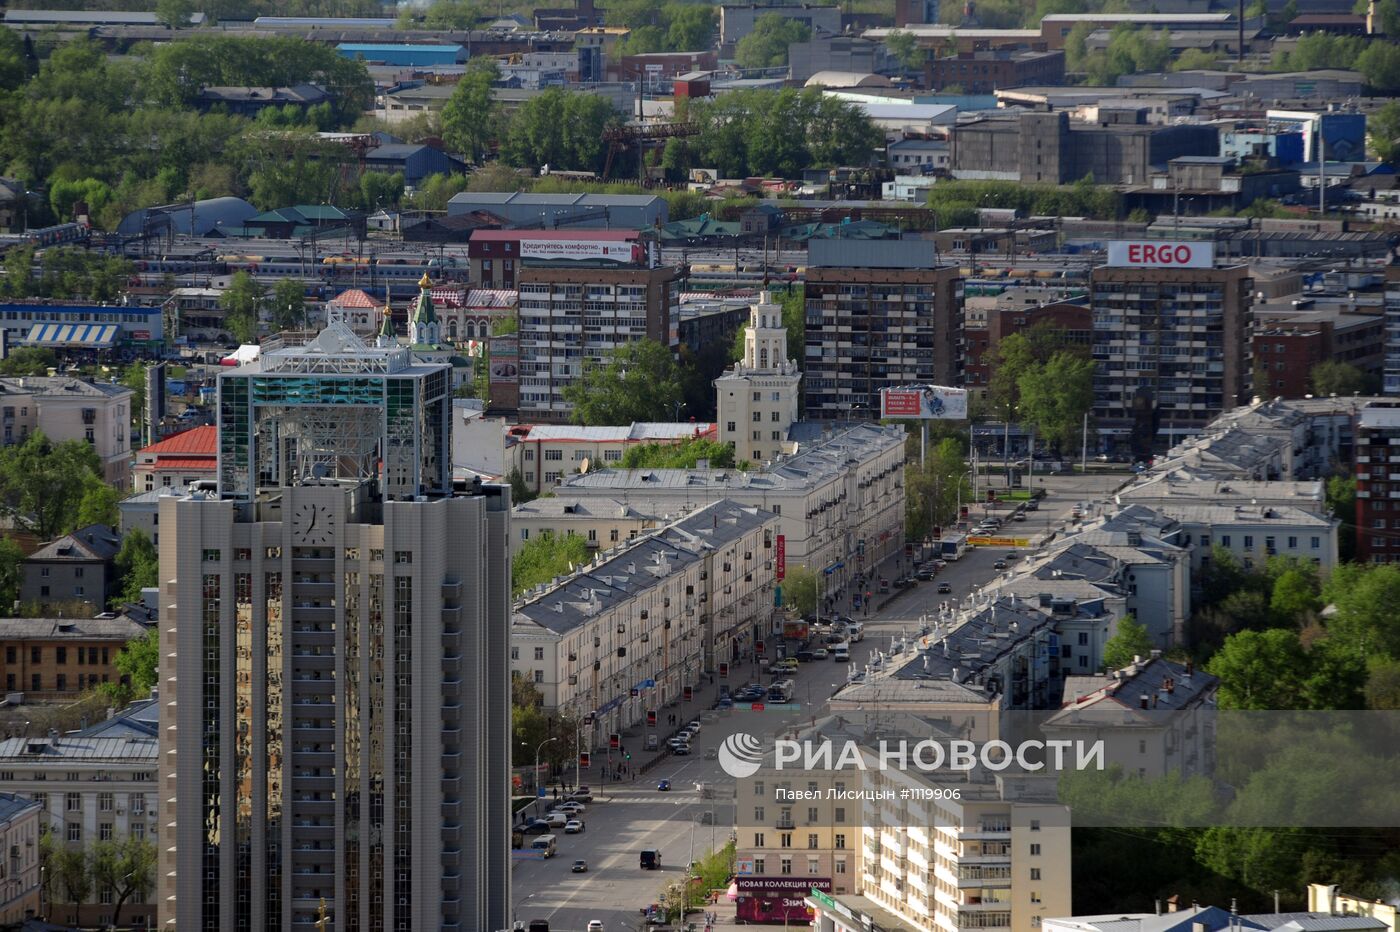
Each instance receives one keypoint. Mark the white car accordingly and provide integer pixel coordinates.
(595, 925)
(573, 826)
(694, 726)
(555, 819)
(571, 808)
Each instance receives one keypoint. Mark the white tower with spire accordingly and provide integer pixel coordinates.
(757, 398)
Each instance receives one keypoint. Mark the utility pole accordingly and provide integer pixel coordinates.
(1084, 446)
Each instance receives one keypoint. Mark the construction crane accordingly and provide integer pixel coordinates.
(621, 138)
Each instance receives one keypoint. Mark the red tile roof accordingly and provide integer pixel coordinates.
(355, 297)
(185, 464)
(201, 441)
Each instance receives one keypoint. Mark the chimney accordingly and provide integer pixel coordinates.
(1137, 658)
(1158, 903)
(1173, 903)
(1142, 700)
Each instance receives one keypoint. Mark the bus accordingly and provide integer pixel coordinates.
(952, 546)
(780, 691)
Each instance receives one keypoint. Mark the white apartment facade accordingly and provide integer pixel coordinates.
(97, 413)
(628, 633)
(20, 882)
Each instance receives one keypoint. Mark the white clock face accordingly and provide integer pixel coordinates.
(315, 524)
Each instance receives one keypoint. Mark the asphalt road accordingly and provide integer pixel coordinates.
(628, 817)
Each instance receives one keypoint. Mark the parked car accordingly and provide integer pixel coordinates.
(573, 826)
(804, 656)
(573, 807)
(555, 819)
(580, 866)
(595, 925)
(1018, 517)
(537, 827)
(579, 795)
(819, 654)
(944, 588)
(681, 750)
(925, 573)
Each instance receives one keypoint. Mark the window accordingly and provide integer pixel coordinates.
(1035, 873)
(138, 804)
(1248, 541)
(1035, 896)
(811, 840)
(1142, 747)
(1224, 540)
(729, 427)
(539, 653)
(785, 839)
(104, 802)
(841, 864)
(539, 676)
(211, 556)
(1292, 543)
(785, 866)
(757, 396)
(758, 813)
(104, 831)
(1316, 543)
(1035, 825)
(10, 654)
(553, 455)
(811, 814)
(759, 866)
(515, 653)
(62, 682)
(33, 655)
(1035, 850)
(60, 655)
(1083, 639)
(757, 416)
(758, 788)
(840, 841)
(840, 814)
(758, 839)
(814, 866)
(402, 557)
(75, 831)
(776, 417)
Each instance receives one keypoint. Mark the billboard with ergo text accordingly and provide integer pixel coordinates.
(924, 402)
(1142, 254)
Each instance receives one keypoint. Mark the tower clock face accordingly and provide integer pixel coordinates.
(315, 524)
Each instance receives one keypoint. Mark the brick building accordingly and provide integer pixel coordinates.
(1377, 498)
(177, 461)
(985, 71)
(58, 658)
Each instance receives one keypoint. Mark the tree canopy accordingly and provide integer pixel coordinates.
(679, 455)
(560, 129)
(766, 46)
(639, 382)
(780, 133)
(471, 116)
(42, 483)
(544, 557)
(1131, 640)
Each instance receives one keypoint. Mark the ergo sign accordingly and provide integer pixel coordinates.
(1148, 255)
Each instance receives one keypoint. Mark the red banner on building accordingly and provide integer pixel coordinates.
(782, 556)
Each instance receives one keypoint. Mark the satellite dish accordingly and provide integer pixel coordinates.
(583, 466)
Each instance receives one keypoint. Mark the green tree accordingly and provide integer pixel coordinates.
(1341, 504)
(560, 129)
(1196, 60)
(42, 483)
(1383, 683)
(288, 304)
(934, 491)
(905, 48)
(1294, 600)
(1338, 378)
(174, 13)
(28, 360)
(137, 665)
(1260, 670)
(519, 491)
(680, 455)
(381, 189)
(691, 27)
(122, 869)
(64, 194)
(766, 46)
(781, 132)
(69, 867)
(1383, 131)
(800, 589)
(1365, 601)
(98, 505)
(137, 565)
(471, 114)
(1056, 396)
(1129, 641)
(545, 557)
(11, 573)
(640, 382)
(1379, 64)
(242, 301)
(13, 68)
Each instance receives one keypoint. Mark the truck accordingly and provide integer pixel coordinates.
(650, 859)
(952, 546)
(855, 631)
(841, 652)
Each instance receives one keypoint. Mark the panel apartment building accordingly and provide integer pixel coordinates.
(335, 629)
(880, 314)
(575, 312)
(1171, 341)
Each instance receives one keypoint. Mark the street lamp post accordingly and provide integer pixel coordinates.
(539, 747)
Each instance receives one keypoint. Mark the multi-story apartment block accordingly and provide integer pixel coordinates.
(1145, 714)
(1171, 340)
(603, 524)
(544, 454)
(19, 866)
(96, 784)
(578, 312)
(628, 633)
(335, 724)
(60, 658)
(75, 569)
(757, 398)
(98, 413)
(839, 499)
(1254, 533)
(1391, 371)
(879, 314)
(1378, 484)
(1159, 490)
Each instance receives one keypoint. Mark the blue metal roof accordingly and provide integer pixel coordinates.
(44, 309)
(394, 47)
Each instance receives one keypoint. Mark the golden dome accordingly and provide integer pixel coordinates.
(425, 281)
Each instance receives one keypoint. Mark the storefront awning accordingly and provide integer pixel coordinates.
(91, 336)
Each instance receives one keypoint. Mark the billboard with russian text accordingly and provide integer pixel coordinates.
(924, 402)
(610, 250)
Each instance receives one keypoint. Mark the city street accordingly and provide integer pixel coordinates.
(627, 817)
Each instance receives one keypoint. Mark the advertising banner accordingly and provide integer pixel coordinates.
(781, 557)
(505, 359)
(1135, 254)
(580, 249)
(924, 402)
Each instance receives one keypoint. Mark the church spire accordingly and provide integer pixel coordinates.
(423, 321)
(386, 326)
